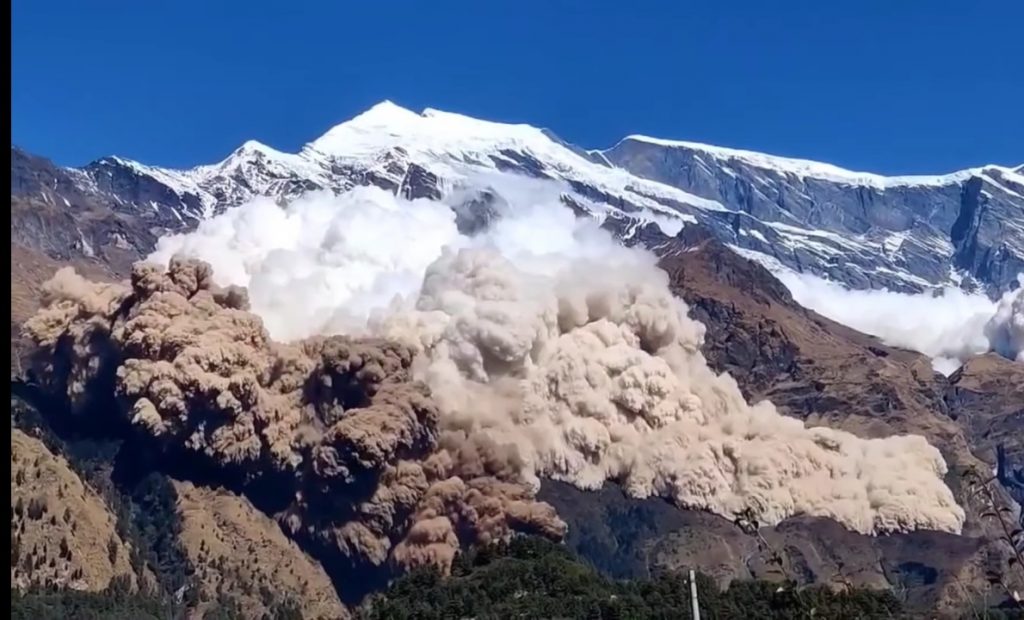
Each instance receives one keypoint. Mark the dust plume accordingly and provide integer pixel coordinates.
(185, 364)
(545, 338)
(594, 373)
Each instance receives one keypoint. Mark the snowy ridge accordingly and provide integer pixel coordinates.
(178, 182)
(438, 133)
(864, 229)
(384, 141)
(818, 170)
(456, 146)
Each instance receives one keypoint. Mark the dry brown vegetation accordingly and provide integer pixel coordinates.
(62, 532)
(241, 552)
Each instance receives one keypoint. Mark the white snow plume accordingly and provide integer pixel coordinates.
(544, 335)
(323, 262)
(948, 325)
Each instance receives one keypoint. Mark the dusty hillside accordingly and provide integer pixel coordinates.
(53, 224)
(29, 270)
(828, 374)
(810, 367)
(240, 551)
(825, 374)
(62, 532)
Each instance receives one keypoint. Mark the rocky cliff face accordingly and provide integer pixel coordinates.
(986, 398)
(862, 225)
(105, 214)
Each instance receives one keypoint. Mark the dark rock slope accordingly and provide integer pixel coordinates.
(986, 397)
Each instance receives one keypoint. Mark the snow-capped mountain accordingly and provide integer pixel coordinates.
(870, 231)
(922, 230)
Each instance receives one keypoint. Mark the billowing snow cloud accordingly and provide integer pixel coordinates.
(544, 336)
(320, 264)
(948, 325)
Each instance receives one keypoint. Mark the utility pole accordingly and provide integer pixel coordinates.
(694, 606)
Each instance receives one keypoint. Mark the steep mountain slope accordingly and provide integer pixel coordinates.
(691, 204)
(986, 398)
(819, 217)
(62, 532)
(239, 551)
(867, 230)
(809, 366)
(827, 374)
(111, 211)
(629, 538)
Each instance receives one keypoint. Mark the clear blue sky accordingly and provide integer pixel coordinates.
(894, 86)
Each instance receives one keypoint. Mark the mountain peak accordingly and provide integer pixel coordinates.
(254, 146)
(386, 125)
(367, 131)
(384, 112)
